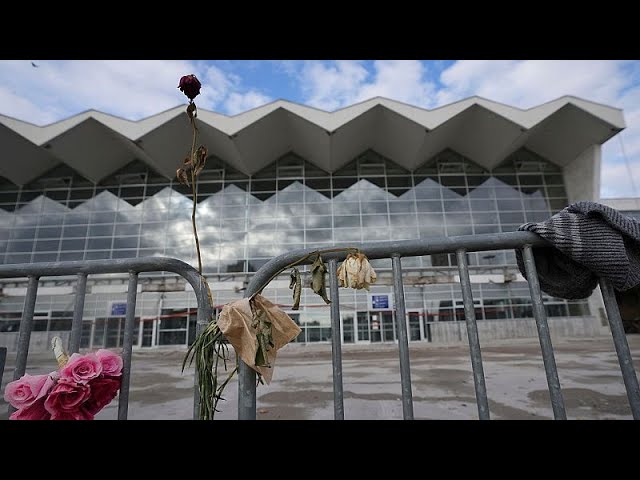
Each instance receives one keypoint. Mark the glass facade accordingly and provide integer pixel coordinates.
(244, 221)
(290, 204)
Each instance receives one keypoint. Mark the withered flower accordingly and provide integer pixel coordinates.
(296, 285)
(195, 164)
(318, 269)
(190, 86)
(356, 272)
(181, 173)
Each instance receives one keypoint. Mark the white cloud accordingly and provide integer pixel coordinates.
(20, 107)
(241, 102)
(331, 86)
(402, 80)
(341, 83)
(129, 88)
(132, 89)
(616, 182)
(525, 83)
(290, 67)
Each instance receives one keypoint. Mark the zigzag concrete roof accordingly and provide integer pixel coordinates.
(96, 144)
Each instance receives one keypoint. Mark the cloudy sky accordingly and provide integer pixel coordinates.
(135, 89)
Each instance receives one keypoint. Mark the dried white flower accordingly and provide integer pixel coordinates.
(356, 272)
(58, 350)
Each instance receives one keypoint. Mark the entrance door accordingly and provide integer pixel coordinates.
(388, 323)
(363, 333)
(172, 327)
(348, 334)
(381, 325)
(415, 330)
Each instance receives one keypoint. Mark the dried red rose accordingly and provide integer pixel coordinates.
(190, 86)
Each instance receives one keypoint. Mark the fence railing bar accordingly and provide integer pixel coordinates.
(116, 265)
(78, 310)
(246, 392)
(247, 378)
(196, 388)
(127, 346)
(551, 370)
(26, 326)
(336, 343)
(472, 334)
(3, 361)
(403, 340)
(622, 347)
(404, 248)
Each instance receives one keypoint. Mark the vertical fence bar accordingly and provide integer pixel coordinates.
(78, 310)
(246, 391)
(196, 387)
(336, 343)
(127, 346)
(622, 347)
(3, 361)
(553, 381)
(403, 341)
(472, 333)
(26, 326)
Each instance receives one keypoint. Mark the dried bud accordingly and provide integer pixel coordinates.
(356, 272)
(190, 86)
(201, 157)
(181, 173)
(192, 110)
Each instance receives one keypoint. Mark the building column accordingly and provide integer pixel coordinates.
(582, 175)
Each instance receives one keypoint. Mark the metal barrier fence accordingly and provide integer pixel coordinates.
(460, 246)
(82, 269)
(3, 359)
(394, 250)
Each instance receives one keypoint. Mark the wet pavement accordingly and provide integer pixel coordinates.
(441, 377)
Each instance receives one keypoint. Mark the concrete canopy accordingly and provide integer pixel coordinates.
(97, 144)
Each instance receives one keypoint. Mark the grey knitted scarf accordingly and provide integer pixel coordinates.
(588, 240)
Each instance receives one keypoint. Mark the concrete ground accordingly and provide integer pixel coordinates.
(441, 380)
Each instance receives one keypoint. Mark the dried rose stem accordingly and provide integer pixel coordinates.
(195, 194)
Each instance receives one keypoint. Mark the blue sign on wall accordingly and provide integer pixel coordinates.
(118, 309)
(379, 301)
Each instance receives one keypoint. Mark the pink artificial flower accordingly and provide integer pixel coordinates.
(35, 411)
(80, 414)
(111, 363)
(81, 368)
(66, 397)
(103, 390)
(25, 391)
